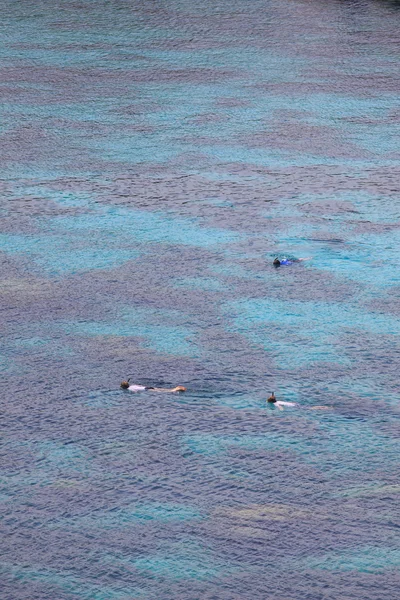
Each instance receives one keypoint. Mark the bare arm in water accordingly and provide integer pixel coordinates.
(178, 388)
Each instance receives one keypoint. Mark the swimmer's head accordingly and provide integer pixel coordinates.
(125, 384)
(277, 262)
(272, 398)
(180, 388)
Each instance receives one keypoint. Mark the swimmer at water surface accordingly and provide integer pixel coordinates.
(284, 262)
(272, 400)
(280, 404)
(125, 385)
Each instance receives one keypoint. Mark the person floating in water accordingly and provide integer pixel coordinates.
(125, 385)
(280, 404)
(283, 262)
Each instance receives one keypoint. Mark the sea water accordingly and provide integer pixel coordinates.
(156, 157)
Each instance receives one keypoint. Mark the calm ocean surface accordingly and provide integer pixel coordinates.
(155, 158)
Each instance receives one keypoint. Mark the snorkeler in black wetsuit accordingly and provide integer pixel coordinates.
(283, 262)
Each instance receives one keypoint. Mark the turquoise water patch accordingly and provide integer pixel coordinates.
(270, 157)
(376, 208)
(33, 342)
(64, 198)
(59, 255)
(252, 514)
(317, 110)
(76, 115)
(206, 284)
(374, 489)
(47, 345)
(293, 235)
(372, 387)
(47, 459)
(329, 109)
(209, 444)
(337, 447)
(90, 259)
(287, 209)
(371, 259)
(48, 55)
(317, 325)
(278, 66)
(219, 202)
(232, 270)
(367, 559)
(5, 498)
(15, 483)
(70, 457)
(67, 582)
(241, 401)
(182, 560)
(132, 515)
(146, 148)
(101, 399)
(353, 205)
(381, 140)
(142, 226)
(383, 274)
(5, 363)
(308, 350)
(357, 440)
(146, 324)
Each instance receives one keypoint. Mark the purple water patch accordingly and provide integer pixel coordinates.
(310, 139)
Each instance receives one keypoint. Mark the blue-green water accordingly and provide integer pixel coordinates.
(155, 158)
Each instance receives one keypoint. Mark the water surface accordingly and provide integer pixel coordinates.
(156, 157)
